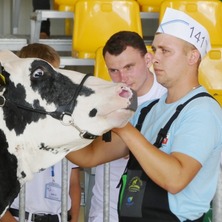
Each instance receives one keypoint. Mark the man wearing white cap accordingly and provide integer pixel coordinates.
(174, 162)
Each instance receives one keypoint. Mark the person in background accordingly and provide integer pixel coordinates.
(45, 25)
(43, 192)
(42, 51)
(127, 61)
(171, 175)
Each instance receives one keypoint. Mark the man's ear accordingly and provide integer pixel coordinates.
(194, 56)
(148, 58)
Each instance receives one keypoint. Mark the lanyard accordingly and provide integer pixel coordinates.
(53, 173)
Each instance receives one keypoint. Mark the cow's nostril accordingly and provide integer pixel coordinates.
(93, 113)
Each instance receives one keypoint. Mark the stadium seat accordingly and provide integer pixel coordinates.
(207, 12)
(65, 3)
(210, 73)
(100, 69)
(95, 21)
(150, 5)
(149, 48)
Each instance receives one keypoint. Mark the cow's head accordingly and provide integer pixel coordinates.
(47, 112)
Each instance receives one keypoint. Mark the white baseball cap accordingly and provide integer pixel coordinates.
(181, 25)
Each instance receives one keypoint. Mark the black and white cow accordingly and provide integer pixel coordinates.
(46, 113)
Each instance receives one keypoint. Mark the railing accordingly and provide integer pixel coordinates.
(64, 195)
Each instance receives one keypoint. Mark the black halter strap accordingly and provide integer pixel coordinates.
(68, 109)
(61, 110)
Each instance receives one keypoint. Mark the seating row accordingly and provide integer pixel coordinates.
(95, 21)
(145, 5)
(69, 6)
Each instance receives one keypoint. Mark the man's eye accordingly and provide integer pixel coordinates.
(164, 50)
(128, 67)
(113, 70)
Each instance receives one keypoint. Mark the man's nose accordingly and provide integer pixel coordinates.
(124, 76)
(155, 58)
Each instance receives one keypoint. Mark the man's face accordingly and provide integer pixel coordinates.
(170, 60)
(129, 67)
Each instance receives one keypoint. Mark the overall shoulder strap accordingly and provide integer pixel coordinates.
(143, 114)
(163, 131)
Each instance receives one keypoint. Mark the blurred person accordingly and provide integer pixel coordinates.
(42, 51)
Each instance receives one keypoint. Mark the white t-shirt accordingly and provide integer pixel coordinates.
(116, 170)
(43, 192)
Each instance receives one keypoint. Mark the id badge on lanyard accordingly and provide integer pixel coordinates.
(53, 189)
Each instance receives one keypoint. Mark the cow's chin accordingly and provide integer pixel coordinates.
(117, 119)
(120, 118)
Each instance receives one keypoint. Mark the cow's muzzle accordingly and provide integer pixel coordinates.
(130, 94)
(133, 102)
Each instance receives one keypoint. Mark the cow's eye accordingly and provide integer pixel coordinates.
(38, 73)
